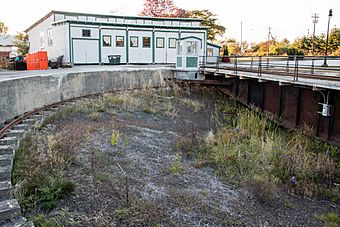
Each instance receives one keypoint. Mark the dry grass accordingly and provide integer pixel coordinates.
(256, 153)
(194, 104)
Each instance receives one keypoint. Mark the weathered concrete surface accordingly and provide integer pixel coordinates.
(23, 94)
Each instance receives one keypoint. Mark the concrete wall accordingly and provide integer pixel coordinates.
(21, 95)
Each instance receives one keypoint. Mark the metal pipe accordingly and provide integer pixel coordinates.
(329, 19)
(260, 66)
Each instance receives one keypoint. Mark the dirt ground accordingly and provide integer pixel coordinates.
(140, 178)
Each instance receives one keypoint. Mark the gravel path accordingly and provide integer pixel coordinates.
(143, 180)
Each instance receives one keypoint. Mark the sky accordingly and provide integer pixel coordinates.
(287, 19)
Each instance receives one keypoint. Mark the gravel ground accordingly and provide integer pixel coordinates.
(143, 180)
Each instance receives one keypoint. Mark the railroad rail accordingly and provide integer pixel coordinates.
(10, 211)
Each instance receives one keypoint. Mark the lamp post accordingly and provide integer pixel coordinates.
(329, 18)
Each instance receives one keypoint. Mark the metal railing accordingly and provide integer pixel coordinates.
(293, 65)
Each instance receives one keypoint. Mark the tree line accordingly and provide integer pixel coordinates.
(306, 45)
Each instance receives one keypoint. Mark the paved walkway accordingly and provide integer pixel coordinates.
(9, 75)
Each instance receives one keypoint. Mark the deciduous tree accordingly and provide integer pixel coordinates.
(209, 20)
(167, 8)
(233, 47)
(162, 8)
(334, 40)
(21, 41)
(3, 28)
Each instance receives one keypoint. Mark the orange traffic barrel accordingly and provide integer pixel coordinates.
(43, 61)
(36, 61)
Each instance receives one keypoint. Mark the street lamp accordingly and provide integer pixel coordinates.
(329, 18)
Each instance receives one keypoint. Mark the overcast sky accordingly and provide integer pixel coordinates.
(288, 18)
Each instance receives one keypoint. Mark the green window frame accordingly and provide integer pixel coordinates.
(119, 41)
(107, 41)
(172, 41)
(86, 32)
(133, 41)
(146, 42)
(160, 42)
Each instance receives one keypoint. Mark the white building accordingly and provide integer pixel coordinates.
(213, 52)
(90, 38)
(7, 46)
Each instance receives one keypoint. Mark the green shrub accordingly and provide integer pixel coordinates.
(331, 219)
(45, 193)
(38, 176)
(42, 221)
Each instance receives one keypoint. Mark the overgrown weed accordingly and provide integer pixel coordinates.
(256, 153)
(42, 185)
(331, 219)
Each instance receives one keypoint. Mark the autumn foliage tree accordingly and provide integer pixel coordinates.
(209, 20)
(162, 8)
(3, 28)
(21, 42)
(167, 8)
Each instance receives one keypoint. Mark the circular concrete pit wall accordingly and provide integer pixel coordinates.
(21, 95)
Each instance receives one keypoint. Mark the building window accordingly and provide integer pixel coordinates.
(180, 48)
(210, 52)
(133, 41)
(106, 40)
(172, 43)
(42, 40)
(86, 33)
(146, 42)
(119, 41)
(49, 37)
(160, 42)
(191, 47)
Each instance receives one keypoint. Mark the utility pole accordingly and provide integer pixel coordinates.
(241, 39)
(315, 17)
(269, 34)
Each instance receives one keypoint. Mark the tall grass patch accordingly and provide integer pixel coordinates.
(254, 152)
(38, 173)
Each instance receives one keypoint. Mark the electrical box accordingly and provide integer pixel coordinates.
(326, 109)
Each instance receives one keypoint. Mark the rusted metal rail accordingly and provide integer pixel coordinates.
(19, 119)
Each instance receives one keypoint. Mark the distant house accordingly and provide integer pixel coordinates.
(7, 46)
(90, 38)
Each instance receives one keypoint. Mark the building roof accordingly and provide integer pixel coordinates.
(106, 15)
(214, 45)
(129, 25)
(7, 40)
